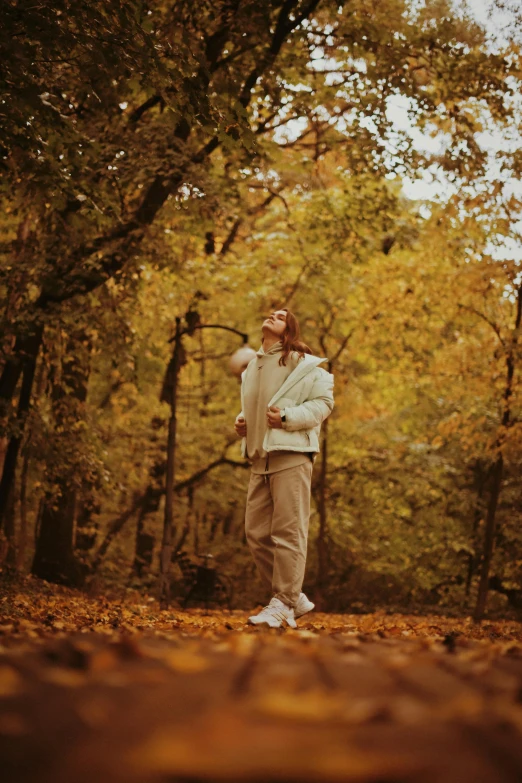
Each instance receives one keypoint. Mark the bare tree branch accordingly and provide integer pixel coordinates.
(139, 111)
(119, 522)
(484, 317)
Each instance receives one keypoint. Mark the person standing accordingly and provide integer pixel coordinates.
(285, 397)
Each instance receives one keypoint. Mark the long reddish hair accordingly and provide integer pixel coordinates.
(291, 338)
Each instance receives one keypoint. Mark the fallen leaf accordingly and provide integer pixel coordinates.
(186, 661)
(67, 678)
(313, 705)
(11, 682)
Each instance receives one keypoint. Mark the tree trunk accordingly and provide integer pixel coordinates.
(489, 537)
(498, 467)
(170, 394)
(143, 552)
(86, 528)
(9, 558)
(168, 525)
(323, 553)
(144, 542)
(25, 352)
(323, 550)
(26, 365)
(480, 477)
(22, 540)
(54, 558)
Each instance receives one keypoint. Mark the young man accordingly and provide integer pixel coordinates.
(285, 397)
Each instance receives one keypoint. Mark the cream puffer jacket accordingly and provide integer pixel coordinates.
(307, 400)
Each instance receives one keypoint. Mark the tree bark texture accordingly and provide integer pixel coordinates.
(144, 543)
(24, 526)
(171, 394)
(54, 558)
(25, 366)
(489, 537)
(498, 467)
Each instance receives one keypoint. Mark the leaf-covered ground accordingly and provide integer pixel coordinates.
(31, 609)
(93, 689)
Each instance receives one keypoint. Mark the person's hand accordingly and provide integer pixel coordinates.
(273, 418)
(240, 427)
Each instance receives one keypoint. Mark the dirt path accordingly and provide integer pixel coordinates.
(205, 698)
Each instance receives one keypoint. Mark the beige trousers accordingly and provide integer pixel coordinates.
(276, 525)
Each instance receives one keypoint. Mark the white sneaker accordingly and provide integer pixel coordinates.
(274, 615)
(303, 606)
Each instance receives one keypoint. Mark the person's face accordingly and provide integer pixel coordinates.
(275, 324)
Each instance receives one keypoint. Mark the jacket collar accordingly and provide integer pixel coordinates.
(306, 365)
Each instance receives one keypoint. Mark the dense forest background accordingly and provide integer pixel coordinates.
(212, 161)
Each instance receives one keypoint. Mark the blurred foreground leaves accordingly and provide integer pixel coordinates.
(98, 688)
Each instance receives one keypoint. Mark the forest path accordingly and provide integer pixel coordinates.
(206, 698)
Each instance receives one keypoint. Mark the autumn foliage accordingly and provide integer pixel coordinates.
(208, 162)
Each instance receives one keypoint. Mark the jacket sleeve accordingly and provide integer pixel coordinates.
(242, 386)
(313, 411)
